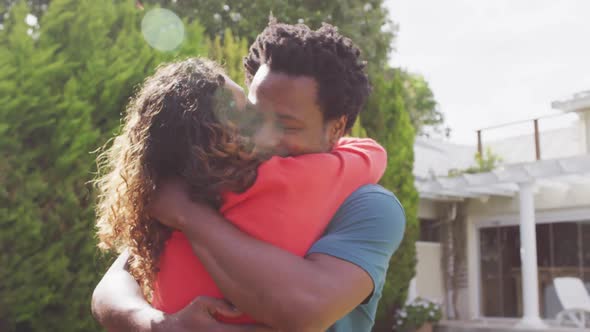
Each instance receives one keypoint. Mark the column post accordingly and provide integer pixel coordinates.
(528, 256)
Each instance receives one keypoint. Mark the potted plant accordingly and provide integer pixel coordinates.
(417, 316)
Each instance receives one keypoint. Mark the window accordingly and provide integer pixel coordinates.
(429, 230)
(563, 249)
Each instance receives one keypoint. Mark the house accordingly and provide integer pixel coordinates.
(492, 243)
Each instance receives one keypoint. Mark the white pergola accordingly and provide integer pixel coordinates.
(509, 181)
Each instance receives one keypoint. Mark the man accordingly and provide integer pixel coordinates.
(310, 86)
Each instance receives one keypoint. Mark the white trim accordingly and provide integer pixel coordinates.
(494, 191)
(429, 244)
(531, 316)
(440, 198)
(500, 182)
(577, 102)
(541, 217)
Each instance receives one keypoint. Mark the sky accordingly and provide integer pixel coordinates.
(491, 62)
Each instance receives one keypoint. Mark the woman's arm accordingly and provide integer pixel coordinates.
(118, 305)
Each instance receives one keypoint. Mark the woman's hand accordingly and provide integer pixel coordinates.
(169, 202)
(199, 316)
(118, 305)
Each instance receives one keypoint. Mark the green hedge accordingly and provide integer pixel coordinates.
(387, 120)
(63, 86)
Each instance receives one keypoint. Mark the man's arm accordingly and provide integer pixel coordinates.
(118, 305)
(273, 286)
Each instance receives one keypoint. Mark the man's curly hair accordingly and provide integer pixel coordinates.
(176, 125)
(325, 55)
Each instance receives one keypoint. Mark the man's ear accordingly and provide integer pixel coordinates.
(337, 129)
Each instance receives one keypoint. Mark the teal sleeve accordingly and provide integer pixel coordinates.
(365, 231)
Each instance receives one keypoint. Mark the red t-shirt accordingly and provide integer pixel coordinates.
(289, 205)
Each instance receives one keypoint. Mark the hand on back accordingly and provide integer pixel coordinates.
(199, 316)
(170, 201)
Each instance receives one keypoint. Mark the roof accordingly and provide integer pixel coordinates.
(577, 102)
(434, 158)
(563, 158)
(504, 180)
(556, 143)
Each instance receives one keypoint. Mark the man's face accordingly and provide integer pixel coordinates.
(292, 121)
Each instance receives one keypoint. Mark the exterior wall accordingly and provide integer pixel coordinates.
(570, 138)
(551, 195)
(427, 209)
(554, 202)
(556, 143)
(586, 134)
(429, 280)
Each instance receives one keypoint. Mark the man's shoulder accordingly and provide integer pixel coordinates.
(371, 210)
(366, 231)
(369, 190)
(371, 196)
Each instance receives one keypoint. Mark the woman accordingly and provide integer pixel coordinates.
(182, 123)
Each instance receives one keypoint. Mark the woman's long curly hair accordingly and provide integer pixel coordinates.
(178, 124)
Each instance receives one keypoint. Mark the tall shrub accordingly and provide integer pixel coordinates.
(63, 86)
(230, 52)
(387, 121)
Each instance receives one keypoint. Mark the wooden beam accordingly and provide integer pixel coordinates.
(479, 144)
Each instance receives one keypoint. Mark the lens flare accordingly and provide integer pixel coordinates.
(162, 29)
